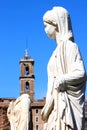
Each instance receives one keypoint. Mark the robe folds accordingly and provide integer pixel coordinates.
(64, 108)
(18, 113)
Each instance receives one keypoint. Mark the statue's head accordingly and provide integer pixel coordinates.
(58, 19)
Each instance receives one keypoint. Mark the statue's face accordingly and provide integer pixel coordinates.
(50, 30)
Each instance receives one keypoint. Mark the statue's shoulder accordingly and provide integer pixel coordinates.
(71, 44)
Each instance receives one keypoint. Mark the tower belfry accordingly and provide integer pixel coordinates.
(27, 75)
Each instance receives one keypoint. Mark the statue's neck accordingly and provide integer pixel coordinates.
(58, 38)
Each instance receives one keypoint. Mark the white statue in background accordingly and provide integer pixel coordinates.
(64, 108)
(19, 113)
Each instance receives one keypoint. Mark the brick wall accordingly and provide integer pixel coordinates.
(4, 123)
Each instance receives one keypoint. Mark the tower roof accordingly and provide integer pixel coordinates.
(26, 57)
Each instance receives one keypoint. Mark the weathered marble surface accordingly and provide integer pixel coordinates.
(66, 76)
(19, 113)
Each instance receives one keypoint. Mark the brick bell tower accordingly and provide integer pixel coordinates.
(27, 76)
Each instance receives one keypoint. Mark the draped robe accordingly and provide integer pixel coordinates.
(18, 113)
(64, 108)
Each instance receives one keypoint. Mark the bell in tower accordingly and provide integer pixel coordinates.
(27, 76)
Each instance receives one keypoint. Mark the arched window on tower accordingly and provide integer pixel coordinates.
(27, 86)
(27, 70)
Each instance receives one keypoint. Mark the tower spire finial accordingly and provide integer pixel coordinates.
(26, 51)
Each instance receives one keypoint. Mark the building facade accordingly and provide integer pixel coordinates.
(27, 86)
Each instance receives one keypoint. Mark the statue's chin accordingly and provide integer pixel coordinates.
(51, 36)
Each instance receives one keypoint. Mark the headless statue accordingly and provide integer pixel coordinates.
(18, 113)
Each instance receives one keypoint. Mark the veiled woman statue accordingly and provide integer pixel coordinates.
(64, 108)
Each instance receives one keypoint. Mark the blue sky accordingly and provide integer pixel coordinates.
(21, 20)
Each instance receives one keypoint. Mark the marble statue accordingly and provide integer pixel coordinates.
(64, 107)
(19, 113)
